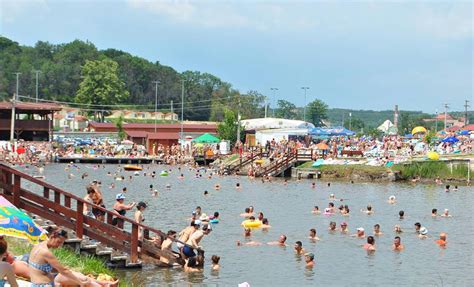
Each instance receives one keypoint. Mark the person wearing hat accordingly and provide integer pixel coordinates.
(360, 233)
(121, 209)
(309, 259)
(423, 233)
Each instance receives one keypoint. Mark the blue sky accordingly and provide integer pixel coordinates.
(362, 55)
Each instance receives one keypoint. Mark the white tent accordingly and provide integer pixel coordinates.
(274, 123)
(385, 126)
(262, 136)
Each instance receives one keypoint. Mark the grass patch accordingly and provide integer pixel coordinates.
(84, 264)
(432, 169)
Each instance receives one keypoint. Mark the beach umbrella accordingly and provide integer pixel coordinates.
(322, 146)
(16, 223)
(206, 138)
(450, 140)
(318, 132)
(418, 130)
(464, 133)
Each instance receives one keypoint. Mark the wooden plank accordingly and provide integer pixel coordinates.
(79, 220)
(95, 224)
(16, 190)
(48, 204)
(134, 244)
(46, 192)
(67, 201)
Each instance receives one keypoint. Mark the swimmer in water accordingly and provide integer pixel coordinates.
(247, 232)
(298, 247)
(312, 235)
(447, 188)
(285, 182)
(360, 233)
(329, 184)
(260, 216)
(151, 188)
(392, 200)
(401, 215)
(332, 226)
(434, 212)
(247, 213)
(250, 243)
(309, 259)
(217, 186)
(370, 245)
(344, 228)
(455, 188)
(206, 193)
(397, 229)
(215, 263)
(237, 185)
(313, 185)
(332, 197)
(397, 245)
(182, 176)
(442, 240)
(368, 211)
(377, 231)
(168, 186)
(155, 193)
(316, 210)
(281, 241)
(438, 181)
(124, 190)
(265, 224)
(446, 213)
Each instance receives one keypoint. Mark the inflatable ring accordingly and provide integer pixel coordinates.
(214, 221)
(163, 173)
(251, 223)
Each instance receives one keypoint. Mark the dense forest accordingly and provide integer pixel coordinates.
(71, 72)
(61, 74)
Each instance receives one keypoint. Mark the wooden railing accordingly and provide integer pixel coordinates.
(242, 162)
(286, 161)
(66, 210)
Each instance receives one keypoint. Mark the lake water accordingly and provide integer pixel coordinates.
(340, 259)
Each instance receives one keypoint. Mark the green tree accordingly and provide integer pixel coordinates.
(354, 124)
(101, 84)
(228, 128)
(317, 111)
(285, 110)
(119, 125)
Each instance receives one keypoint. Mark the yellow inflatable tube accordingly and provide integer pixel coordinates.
(251, 223)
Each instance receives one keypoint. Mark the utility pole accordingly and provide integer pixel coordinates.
(238, 118)
(172, 112)
(274, 98)
(37, 75)
(466, 106)
(446, 106)
(14, 99)
(182, 109)
(350, 121)
(156, 99)
(17, 84)
(304, 110)
(266, 106)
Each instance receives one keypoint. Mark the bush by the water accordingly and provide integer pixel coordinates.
(432, 169)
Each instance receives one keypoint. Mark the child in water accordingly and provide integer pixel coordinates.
(215, 262)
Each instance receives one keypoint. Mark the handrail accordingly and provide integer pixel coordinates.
(242, 163)
(16, 191)
(289, 157)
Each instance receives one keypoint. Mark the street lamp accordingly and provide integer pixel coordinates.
(156, 99)
(274, 98)
(304, 110)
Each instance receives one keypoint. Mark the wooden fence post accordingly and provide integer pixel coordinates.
(79, 219)
(57, 200)
(134, 244)
(46, 192)
(16, 190)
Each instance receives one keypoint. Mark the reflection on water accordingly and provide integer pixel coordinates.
(340, 259)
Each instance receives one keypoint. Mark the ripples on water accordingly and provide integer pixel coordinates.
(340, 259)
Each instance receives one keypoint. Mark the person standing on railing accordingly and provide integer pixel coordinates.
(121, 209)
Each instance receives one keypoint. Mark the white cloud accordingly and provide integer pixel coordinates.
(257, 15)
(11, 10)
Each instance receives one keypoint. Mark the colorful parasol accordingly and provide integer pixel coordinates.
(16, 223)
